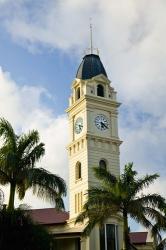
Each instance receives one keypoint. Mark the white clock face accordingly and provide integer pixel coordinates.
(78, 125)
(101, 122)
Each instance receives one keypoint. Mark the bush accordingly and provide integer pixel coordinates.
(18, 231)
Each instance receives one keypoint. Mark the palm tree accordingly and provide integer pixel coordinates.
(121, 195)
(18, 156)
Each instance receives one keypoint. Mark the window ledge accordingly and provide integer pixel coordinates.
(78, 180)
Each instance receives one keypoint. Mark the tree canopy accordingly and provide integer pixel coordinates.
(122, 195)
(18, 231)
(18, 157)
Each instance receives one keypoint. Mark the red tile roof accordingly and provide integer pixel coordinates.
(48, 216)
(138, 237)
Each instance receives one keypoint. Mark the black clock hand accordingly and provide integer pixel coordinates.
(103, 125)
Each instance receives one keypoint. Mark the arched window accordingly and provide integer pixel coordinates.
(102, 164)
(109, 237)
(100, 90)
(78, 93)
(78, 170)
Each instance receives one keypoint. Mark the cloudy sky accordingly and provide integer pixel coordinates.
(41, 45)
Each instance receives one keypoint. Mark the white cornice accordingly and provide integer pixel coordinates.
(95, 100)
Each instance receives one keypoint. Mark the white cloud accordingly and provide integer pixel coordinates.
(22, 106)
(132, 40)
(130, 35)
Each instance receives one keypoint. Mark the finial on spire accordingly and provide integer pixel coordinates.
(91, 49)
(91, 33)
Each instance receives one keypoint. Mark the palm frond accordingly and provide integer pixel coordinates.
(7, 132)
(59, 204)
(40, 176)
(4, 151)
(105, 176)
(4, 178)
(155, 215)
(142, 219)
(135, 208)
(46, 185)
(49, 194)
(26, 142)
(21, 189)
(105, 201)
(161, 245)
(18, 156)
(82, 216)
(31, 158)
(155, 232)
(129, 174)
(95, 215)
(143, 182)
(151, 200)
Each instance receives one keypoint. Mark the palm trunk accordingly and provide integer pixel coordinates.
(126, 240)
(11, 196)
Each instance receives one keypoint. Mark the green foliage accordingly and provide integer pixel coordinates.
(17, 231)
(121, 196)
(161, 245)
(18, 158)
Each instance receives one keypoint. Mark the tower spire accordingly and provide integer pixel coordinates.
(91, 49)
(91, 37)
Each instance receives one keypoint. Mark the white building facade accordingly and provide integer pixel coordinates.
(94, 142)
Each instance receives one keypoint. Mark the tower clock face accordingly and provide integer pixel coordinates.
(101, 122)
(78, 125)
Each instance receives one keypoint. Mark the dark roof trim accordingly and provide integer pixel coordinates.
(67, 235)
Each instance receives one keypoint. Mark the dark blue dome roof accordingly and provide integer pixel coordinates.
(90, 66)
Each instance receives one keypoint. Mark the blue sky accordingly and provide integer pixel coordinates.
(41, 47)
(52, 69)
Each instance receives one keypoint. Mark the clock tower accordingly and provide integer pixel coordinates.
(94, 140)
